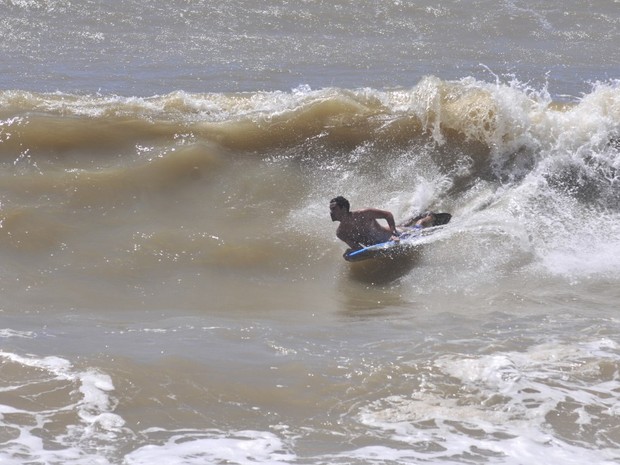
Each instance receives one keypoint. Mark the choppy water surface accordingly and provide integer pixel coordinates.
(172, 288)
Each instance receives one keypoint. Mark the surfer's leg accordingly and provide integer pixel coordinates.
(424, 220)
(410, 222)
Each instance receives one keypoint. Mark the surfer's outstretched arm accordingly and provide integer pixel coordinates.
(376, 214)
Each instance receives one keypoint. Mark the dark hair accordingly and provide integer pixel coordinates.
(341, 202)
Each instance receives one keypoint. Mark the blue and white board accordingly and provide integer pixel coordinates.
(410, 238)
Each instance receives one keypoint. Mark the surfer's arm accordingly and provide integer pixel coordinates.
(347, 240)
(354, 245)
(377, 214)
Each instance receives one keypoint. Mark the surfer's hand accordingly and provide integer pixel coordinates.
(395, 238)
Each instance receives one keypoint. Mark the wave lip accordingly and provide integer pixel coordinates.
(503, 117)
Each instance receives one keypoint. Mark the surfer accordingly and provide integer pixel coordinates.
(360, 228)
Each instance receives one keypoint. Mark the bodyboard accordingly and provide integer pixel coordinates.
(409, 238)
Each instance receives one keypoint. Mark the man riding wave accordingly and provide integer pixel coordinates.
(360, 228)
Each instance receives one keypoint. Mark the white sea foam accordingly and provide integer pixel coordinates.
(509, 405)
(68, 429)
(241, 447)
(94, 433)
(7, 332)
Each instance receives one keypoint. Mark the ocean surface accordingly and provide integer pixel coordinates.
(172, 290)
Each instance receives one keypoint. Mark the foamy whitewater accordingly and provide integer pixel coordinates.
(172, 288)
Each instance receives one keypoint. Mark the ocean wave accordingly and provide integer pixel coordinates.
(517, 170)
(501, 116)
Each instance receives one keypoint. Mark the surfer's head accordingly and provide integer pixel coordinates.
(338, 206)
